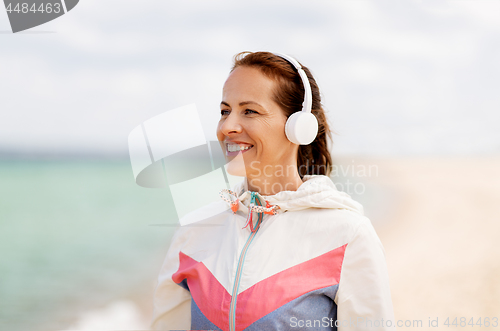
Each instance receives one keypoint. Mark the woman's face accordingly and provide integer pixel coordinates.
(252, 126)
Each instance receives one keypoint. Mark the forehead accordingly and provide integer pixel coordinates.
(248, 82)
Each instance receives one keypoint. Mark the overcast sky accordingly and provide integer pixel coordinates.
(397, 77)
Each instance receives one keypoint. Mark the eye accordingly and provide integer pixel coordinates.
(224, 112)
(250, 111)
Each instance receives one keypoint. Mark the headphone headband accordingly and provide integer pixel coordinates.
(307, 104)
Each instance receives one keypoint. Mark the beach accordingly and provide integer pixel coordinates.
(437, 218)
(440, 237)
(95, 241)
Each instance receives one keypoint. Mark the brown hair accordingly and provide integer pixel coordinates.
(313, 159)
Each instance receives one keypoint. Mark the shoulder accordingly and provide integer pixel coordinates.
(344, 223)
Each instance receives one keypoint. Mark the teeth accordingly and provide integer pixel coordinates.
(237, 148)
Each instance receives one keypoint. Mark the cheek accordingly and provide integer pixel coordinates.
(277, 133)
(274, 142)
(218, 132)
(268, 135)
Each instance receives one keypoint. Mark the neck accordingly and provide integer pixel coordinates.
(270, 183)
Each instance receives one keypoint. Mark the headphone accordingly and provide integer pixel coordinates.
(301, 128)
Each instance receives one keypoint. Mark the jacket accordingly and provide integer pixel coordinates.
(317, 264)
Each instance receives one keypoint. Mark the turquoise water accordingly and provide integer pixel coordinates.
(74, 236)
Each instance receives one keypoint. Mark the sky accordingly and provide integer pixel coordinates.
(397, 77)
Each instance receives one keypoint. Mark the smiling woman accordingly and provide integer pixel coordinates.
(292, 247)
(260, 94)
(249, 117)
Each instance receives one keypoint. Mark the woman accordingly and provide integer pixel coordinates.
(292, 252)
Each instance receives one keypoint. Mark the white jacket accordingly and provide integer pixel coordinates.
(316, 265)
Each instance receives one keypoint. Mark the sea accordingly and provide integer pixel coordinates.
(75, 236)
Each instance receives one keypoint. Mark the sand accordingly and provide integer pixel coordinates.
(441, 236)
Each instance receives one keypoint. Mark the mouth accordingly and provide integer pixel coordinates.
(233, 149)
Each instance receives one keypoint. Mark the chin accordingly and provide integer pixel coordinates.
(236, 166)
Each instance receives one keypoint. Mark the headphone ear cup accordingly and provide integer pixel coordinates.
(301, 128)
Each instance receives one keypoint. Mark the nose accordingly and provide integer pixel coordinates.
(230, 124)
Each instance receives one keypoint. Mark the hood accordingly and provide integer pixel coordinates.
(317, 191)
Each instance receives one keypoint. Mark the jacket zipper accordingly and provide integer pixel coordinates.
(236, 285)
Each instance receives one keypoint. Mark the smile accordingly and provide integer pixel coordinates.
(234, 149)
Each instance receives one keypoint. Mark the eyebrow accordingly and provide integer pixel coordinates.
(243, 103)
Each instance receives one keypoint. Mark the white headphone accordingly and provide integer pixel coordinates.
(301, 128)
